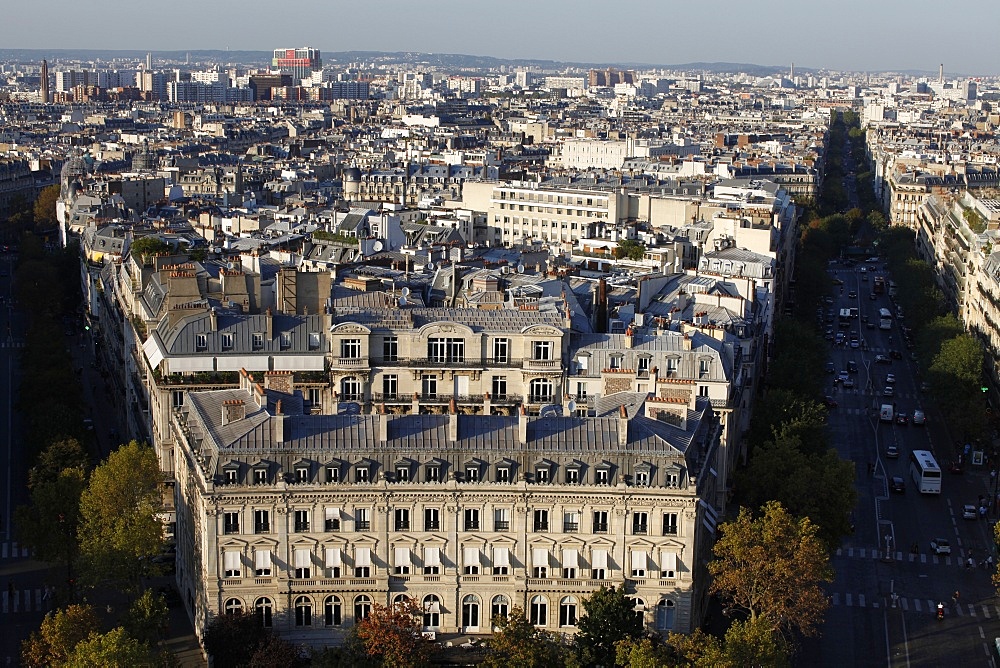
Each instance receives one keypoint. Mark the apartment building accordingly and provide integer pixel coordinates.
(311, 519)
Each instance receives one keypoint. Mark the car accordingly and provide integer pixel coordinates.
(901, 418)
(888, 391)
(849, 383)
(830, 368)
(897, 484)
(892, 452)
(895, 354)
(870, 325)
(969, 512)
(863, 270)
(890, 378)
(829, 335)
(828, 299)
(852, 366)
(855, 344)
(872, 296)
(940, 546)
(829, 402)
(838, 281)
(864, 277)
(882, 359)
(853, 294)
(925, 386)
(919, 418)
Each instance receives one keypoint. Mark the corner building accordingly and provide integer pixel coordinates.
(311, 519)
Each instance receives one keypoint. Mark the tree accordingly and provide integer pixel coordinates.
(45, 208)
(232, 639)
(58, 635)
(771, 568)
(517, 643)
(934, 334)
(114, 649)
(646, 653)
(62, 454)
(956, 374)
(147, 617)
(274, 652)
(752, 642)
(147, 247)
(49, 525)
(392, 633)
(609, 617)
(120, 530)
(631, 249)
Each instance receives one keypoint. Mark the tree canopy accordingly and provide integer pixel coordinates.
(392, 633)
(58, 635)
(114, 649)
(147, 247)
(45, 208)
(631, 249)
(517, 643)
(770, 568)
(609, 617)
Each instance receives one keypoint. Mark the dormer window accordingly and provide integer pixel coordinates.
(258, 341)
(615, 362)
(433, 473)
(642, 478)
(285, 340)
(402, 473)
(301, 474)
(333, 474)
(503, 474)
(361, 474)
(672, 364)
(572, 476)
(200, 342)
(227, 341)
(542, 474)
(602, 476)
(471, 474)
(230, 476)
(314, 340)
(260, 476)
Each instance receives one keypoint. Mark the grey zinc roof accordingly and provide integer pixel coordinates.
(504, 320)
(181, 338)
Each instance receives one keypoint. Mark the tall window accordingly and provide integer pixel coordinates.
(285, 340)
(499, 607)
(262, 563)
(432, 611)
(501, 351)
(350, 349)
(539, 611)
(470, 561)
(301, 521)
(499, 388)
(567, 611)
(263, 606)
(541, 350)
(200, 342)
(231, 522)
(390, 385)
(432, 520)
(303, 564)
(470, 611)
(669, 524)
(314, 340)
(429, 385)
(303, 611)
(640, 523)
(600, 521)
(704, 368)
(540, 391)
(350, 389)
(665, 615)
(234, 606)
(390, 349)
(332, 615)
(261, 521)
(362, 608)
(258, 341)
(402, 519)
(571, 521)
(442, 350)
(362, 519)
(501, 519)
(227, 341)
(541, 517)
(472, 519)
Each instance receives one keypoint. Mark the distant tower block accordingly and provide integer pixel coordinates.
(149, 62)
(941, 73)
(791, 71)
(45, 82)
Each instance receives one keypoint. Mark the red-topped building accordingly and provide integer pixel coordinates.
(299, 63)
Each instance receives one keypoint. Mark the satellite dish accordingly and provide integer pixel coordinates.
(520, 268)
(231, 265)
(405, 292)
(377, 246)
(571, 406)
(430, 266)
(552, 410)
(402, 300)
(349, 408)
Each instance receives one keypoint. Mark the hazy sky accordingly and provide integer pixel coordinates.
(835, 34)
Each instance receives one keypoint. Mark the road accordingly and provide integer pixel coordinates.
(888, 582)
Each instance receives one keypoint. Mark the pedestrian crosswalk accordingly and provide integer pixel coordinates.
(5, 343)
(907, 604)
(23, 601)
(954, 561)
(11, 550)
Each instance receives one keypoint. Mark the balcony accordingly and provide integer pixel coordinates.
(540, 398)
(361, 525)
(301, 527)
(496, 399)
(553, 364)
(402, 526)
(349, 363)
(391, 398)
(433, 398)
(571, 527)
(501, 525)
(432, 526)
(639, 530)
(541, 526)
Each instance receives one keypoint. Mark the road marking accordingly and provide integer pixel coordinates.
(835, 599)
(972, 610)
(861, 600)
(986, 612)
(958, 610)
(904, 605)
(849, 600)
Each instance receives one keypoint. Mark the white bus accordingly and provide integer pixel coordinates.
(925, 472)
(884, 319)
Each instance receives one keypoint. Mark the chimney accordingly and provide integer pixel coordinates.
(279, 423)
(522, 426)
(280, 381)
(268, 324)
(383, 425)
(213, 318)
(452, 421)
(686, 343)
(628, 336)
(233, 410)
(622, 426)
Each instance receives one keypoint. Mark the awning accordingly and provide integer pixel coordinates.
(599, 558)
(298, 362)
(470, 556)
(569, 558)
(668, 561)
(401, 557)
(432, 556)
(153, 350)
(540, 557)
(262, 559)
(332, 513)
(231, 561)
(237, 362)
(501, 557)
(302, 559)
(362, 557)
(639, 560)
(333, 557)
(192, 363)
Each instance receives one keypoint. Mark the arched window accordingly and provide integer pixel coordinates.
(639, 606)
(362, 606)
(540, 391)
(401, 599)
(303, 611)
(234, 606)
(350, 389)
(567, 611)
(432, 611)
(263, 606)
(499, 607)
(539, 611)
(665, 615)
(332, 615)
(470, 611)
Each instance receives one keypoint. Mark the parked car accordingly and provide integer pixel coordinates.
(892, 452)
(940, 546)
(829, 402)
(897, 484)
(882, 359)
(890, 378)
(849, 383)
(852, 366)
(902, 419)
(888, 391)
(830, 368)
(969, 512)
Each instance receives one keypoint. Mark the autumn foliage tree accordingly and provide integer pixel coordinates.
(770, 568)
(392, 634)
(59, 635)
(517, 643)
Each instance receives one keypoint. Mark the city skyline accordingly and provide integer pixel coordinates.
(888, 36)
